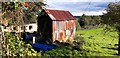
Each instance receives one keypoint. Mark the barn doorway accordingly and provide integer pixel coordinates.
(45, 28)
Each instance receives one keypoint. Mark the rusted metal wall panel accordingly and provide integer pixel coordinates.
(64, 31)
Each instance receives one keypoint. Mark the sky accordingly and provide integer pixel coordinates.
(80, 7)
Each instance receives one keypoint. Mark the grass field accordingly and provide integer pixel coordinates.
(97, 43)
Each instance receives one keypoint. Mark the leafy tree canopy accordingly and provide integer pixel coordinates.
(112, 17)
(16, 13)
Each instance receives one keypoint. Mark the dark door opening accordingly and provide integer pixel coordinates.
(45, 28)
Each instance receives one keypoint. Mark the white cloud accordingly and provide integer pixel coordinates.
(77, 7)
(81, 0)
(88, 13)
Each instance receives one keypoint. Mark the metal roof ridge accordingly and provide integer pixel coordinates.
(59, 14)
(55, 10)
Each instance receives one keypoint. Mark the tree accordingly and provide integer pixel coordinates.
(12, 14)
(96, 20)
(81, 21)
(112, 19)
(31, 9)
(16, 13)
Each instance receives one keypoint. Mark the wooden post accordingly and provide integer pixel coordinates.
(33, 40)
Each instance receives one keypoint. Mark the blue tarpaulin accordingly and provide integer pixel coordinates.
(44, 47)
(39, 46)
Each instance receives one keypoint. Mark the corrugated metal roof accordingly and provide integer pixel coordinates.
(59, 14)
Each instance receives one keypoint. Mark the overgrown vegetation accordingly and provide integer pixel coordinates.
(13, 45)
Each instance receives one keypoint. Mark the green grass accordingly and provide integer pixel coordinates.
(97, 43)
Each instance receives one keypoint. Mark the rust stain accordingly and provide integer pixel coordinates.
(63, 31)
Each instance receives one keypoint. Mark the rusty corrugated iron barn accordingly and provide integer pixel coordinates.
(57, 25)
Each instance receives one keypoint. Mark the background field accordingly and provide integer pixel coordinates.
(99, 43)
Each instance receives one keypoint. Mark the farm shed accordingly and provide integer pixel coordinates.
(57, 25)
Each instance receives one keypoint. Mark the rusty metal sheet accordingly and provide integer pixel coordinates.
(64, 31)
(60, 14)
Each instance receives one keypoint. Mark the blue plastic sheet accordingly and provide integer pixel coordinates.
(44, 47)
(39, 46)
